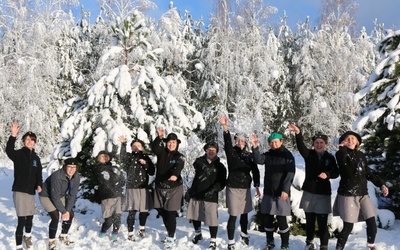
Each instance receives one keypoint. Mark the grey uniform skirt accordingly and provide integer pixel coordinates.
(137, 199)
(353, 209)
(316, 203)
(110, 206)
(168, 199)
(24, 204)
(204, 211)
(238, 201)
(48, 205)
(274, 205)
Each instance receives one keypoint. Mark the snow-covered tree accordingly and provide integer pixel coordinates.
(130, 99)
(379, 117)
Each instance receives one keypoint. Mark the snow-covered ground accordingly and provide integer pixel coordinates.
(86, 226)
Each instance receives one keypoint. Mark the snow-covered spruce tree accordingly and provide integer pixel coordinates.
(379, 118)
(130, 99)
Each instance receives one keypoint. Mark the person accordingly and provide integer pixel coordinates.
(238, 195)
(138, 168)
(209, 180)
(27, 180)
(352, 202)
(320, 167)
(168, 182)
(110, 181)
(279, 173)
(58, 196)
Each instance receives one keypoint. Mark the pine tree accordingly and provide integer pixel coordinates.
(130, 99)
(379, 118)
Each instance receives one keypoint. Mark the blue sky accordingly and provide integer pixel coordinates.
(386, 11)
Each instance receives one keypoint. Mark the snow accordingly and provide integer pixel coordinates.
(88, 220)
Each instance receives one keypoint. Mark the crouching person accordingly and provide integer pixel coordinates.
(58, 196)
(110, 182)
(209, 179)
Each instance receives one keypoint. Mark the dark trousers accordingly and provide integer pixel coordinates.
(130, 220)
(322, 220)
(169, 219)
(114, 220)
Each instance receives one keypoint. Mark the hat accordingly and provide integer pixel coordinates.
(212, 144)
(103, 152)
(319, 135)
(30, 134)
(70, 161)
(138, 140)
(347, 133)
(172, 136)
(274, 136)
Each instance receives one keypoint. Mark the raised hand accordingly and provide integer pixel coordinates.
(14, 129)
(294, 128)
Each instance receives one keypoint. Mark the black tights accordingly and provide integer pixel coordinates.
(131, 219)
(232, 222)
(282, 225)
(23, 222)
(114, 220)
(322, 220)
(169, 219)
(55, 217)
(348, 227)
(213, 230)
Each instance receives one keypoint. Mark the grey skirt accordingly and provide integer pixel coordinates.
(354, 209)
(169, 199)
(238, 201)
(316, 203)
(204, 211)
(48, 205)
(274, 205)
(111, 206)
(137, 199)
(24, 204)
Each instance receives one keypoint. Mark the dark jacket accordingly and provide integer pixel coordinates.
(27, 168)
(209, 179)
(137, 174)
(58, 185)
(354, 173)
(240, 164)
(168, 164)
(110, 181)
(279, 170)
(315, 165)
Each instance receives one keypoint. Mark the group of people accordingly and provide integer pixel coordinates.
(58, 192)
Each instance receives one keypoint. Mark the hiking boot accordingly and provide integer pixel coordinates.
(309, 245)
(27, 241)
(270, 245)
(64, 239)
(170, 242)
(231, 246)
(114, 236)
(131, 236)
(141, 233)
(245, 239)
(53, 244)
(213, 245)
(197, 238)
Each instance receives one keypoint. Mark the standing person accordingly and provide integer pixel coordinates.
(316, 199)
(238, 194)
(138, 168)
(58, 196)
(110, 181)
(209, 179)
(352, 202)
(168, 182)
(27, 180)
(279, 173)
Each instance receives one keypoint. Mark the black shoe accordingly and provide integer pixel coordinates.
(197, 238)
(245, 240)
(231, 246)
(213, 245)
(270, 245)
